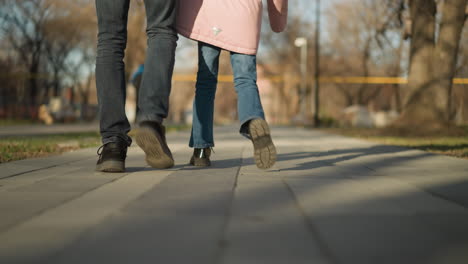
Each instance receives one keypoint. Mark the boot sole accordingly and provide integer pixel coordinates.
(151, 143)
(199, 162)
(111, 166)
(264, 149)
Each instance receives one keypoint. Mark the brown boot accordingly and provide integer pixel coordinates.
(201, 157)
(264, 149)
(151, 137)
(112, 157)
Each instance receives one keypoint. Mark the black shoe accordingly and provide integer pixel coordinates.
(151, 137)
(112, 157)
(264, 149)
(201, 157)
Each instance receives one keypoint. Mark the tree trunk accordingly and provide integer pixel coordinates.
(433, 63)
(85, 99)
(33, 89)
(424, 105)
(397, 72)
(448, 44)
(365, 66)
(56, 83)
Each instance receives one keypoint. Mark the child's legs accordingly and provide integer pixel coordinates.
(203, 105)
(249, 105)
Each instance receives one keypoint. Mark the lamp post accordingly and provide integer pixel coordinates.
(302, 43)
(317, 66)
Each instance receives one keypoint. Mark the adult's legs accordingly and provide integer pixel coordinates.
(110, 69)
(155, 87)
(153, 99)
(203, 105)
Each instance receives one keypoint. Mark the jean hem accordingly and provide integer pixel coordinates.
(114, 139)
(150, 118)
(243, 122)
(207, 145)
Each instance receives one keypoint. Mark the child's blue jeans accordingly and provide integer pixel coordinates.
(245, 80)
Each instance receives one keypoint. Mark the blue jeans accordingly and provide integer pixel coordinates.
(155, 87)
(245, 81)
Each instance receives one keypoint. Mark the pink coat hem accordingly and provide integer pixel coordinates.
(218, 43)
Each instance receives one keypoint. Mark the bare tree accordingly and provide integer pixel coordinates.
(22, 25)
(44, 37)
(365, 34)
(62, 41)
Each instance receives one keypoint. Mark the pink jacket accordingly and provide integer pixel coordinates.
(232, 25)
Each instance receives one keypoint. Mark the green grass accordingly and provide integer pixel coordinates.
(18, 148)
(452, 142)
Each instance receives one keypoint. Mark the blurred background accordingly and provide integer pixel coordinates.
(48, 49)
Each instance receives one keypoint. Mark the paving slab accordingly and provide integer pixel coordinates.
(15, 168)
(377, 220)
(266, 227)
(181, 220)
(50, 231)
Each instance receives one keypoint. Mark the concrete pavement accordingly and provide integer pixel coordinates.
(329, 199)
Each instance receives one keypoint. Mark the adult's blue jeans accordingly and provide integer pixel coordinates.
(155, 87)
(245, 81)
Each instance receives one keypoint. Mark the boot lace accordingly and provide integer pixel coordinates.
(99, 151)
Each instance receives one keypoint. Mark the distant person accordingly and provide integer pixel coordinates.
(136, 78)
(155, 86)
(233, 26)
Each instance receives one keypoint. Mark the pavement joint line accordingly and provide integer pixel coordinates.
(436, 195)
(322, 245)
(369, 168)
(443, 197)
(44, 178)
(43, 168)
(422, 190)
(10, 187)
(223, 242)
